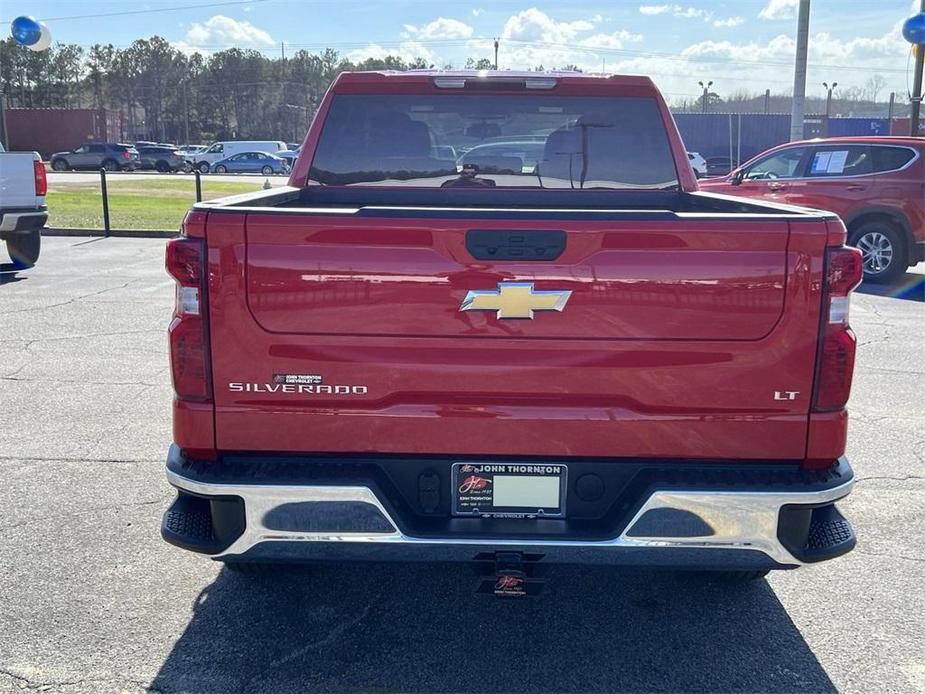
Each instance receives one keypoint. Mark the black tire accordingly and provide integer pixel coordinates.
(111, 165)
(60, 165)
(203, 167)
(220, 169)
(24, 249)
(884, 249)
(162, 167)
(267, 170)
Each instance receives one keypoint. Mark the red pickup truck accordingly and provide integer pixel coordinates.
(557, 350)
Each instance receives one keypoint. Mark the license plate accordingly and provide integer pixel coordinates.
(509, 490)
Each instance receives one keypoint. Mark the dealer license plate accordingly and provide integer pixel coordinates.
(509, 490)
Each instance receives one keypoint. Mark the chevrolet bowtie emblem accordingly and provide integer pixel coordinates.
(515, 300)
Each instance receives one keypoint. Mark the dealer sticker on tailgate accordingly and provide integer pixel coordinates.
(509, 490)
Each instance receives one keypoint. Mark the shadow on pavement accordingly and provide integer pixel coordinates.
(910, 286)
(9, 274)
(419, 628)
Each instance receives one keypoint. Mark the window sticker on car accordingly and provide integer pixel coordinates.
(830, 162)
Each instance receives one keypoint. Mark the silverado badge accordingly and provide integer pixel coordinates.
(515, 300)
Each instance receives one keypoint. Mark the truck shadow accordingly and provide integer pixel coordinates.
(419, 628)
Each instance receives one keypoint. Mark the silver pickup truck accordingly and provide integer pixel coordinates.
(23, 213)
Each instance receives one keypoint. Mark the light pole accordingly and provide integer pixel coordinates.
(914, 33)
(828, 105)
(706, 94)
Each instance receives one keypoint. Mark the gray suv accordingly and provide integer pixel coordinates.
(97, 155)
(162, 159)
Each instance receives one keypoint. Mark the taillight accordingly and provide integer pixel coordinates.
(843, 272)
(125, 154)
(41, 180)
(189, 336)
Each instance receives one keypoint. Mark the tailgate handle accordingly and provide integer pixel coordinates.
(515, 244)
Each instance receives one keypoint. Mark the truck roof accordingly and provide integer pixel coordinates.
(556, 78)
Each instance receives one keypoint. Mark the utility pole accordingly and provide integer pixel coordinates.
(706, 95)
(914, 33)
(496, 54)
(282, 49)
(828, 106)
(767, 101)
(799, 73)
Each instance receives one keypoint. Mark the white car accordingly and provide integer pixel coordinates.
(698, 164)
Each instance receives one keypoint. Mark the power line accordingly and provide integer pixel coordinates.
(148, 11)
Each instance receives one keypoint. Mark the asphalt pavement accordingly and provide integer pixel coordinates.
(91, 600)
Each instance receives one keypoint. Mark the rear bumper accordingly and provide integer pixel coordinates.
(22, 221)
(740, 526)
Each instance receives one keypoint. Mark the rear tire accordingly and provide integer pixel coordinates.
(111, 165)
(885, 257)
(162, 167)
(267, 170)
(24, 249)
(220, 169)
(60, 165)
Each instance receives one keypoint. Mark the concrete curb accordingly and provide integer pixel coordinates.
(113, 233)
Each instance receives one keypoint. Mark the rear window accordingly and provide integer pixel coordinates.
(476, 140)
(891, 158)
(121, 148)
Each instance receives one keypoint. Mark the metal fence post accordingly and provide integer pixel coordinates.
(105, 192)
(198, 185)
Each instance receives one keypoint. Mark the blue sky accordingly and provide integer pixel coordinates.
(740, 45)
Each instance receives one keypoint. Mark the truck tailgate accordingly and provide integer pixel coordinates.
(681, 338)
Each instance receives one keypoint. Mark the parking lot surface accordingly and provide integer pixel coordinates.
(91, 599)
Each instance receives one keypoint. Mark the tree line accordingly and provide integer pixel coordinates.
(165, 94)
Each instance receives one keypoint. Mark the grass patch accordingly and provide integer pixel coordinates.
(144, 203)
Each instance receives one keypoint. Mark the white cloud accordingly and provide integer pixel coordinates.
(440, 28)
(477, 11)
(618, 39)
(729, 22)
(680, 11)
(219, 32)
(408, 51)
(779, 9)
(655, 9)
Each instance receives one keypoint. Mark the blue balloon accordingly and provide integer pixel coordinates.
(914, 28)
(25, 30)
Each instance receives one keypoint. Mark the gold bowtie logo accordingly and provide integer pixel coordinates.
(515, 300)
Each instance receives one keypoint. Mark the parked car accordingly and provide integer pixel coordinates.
(698, 164)
(396, 360)
(290, 155)
(520, 156)
(718, 166)
(97, 155)
(162, 159)
(875, 184)
(22, 205)
(251, 162)
(222, 150)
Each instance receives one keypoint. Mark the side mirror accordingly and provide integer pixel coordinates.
(737, 177)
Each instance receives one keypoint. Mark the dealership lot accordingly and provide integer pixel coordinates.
(92, 600)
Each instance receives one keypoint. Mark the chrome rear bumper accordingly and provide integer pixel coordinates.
(715, 527)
